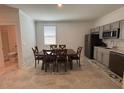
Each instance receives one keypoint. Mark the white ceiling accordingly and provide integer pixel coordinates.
(82, 12)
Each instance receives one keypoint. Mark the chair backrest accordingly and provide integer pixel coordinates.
(36, 49)
(53, 47)
(62, 53)
(34, 52)
(49, 55)
(62, 46)
(79, 51)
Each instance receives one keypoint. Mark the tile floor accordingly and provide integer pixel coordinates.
(87, 77)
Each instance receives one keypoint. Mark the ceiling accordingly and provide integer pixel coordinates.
(68, 12)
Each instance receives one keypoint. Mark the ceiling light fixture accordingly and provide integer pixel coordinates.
(59, 5)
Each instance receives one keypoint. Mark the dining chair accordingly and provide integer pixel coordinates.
(62, 46)
(53, 47)
(76, 56)
(49, 59)
(62, 58)
(36, 56)
(36, 49)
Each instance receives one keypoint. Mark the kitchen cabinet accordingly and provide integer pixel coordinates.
(102, 55)
(100, 32)
(117, 63)
(99, 55)
(106, 28)
(115, 25)
(95, 30)
(105, 57)
(121, 29)
(95, 52)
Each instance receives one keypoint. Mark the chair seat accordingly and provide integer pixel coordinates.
(39, 57)
(74, 57)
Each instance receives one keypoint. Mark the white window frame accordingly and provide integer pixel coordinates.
(45, 36)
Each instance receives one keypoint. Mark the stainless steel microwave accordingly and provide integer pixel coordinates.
(107, 34)
(111, 34)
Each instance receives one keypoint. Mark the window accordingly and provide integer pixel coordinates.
(49, 34)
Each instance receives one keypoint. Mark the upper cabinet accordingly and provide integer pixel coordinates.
(121, 29)
(113, 30)
(95, 30)
(115, 25)
(106, 28)
(100, 32)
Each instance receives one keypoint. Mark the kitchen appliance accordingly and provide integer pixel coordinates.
(116, 63)
(92, 40)
(111, 34)
(107, 34)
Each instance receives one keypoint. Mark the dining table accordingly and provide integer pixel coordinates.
(70, 52)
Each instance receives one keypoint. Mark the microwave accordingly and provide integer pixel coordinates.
(107, 34)
(111, 34)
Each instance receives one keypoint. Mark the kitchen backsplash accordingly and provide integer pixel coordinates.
(117, 43)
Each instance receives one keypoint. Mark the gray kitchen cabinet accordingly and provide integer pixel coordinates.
(97, 29)
(95, 52)
(100, 32)
(115, 25)
(121, 29)
(106, 28)
(102, 55)
(99, 55)
(105, 58)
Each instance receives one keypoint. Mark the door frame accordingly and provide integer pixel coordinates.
(1, 52)
(18, 42)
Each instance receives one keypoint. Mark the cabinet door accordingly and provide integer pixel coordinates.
(97, 29)
(95, 53)
(99, 56)
(101, 32)
(105, 59)
(121, 29)
(115, 25)
(106, 27)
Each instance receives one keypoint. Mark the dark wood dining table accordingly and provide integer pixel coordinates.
(70, 52)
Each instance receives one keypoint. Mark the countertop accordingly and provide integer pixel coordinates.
(113, 49)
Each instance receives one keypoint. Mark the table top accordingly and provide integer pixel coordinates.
(69, 52)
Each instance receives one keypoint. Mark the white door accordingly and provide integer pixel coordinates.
(1, 52)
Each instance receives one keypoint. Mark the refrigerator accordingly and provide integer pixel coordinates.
(92, 40)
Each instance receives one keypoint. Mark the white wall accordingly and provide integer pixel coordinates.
(69, 33)
(27, 38)
(111, 17)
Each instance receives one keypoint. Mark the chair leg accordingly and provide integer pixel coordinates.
(53, 67)
(66, 67)
(35, 63)
(38, 61)
(79, 64)
(57, 67)
(46, 67)
(42, 68)
(71, 64)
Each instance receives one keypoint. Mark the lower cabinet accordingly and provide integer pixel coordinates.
(105, 58)
(102, 55)
(117, 63)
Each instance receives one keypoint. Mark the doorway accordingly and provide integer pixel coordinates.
(9, 45)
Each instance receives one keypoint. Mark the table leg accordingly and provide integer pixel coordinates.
(71, 64)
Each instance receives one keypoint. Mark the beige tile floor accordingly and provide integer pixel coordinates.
(86, 77)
